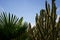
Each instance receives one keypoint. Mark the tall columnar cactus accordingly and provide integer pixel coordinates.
(46, 26)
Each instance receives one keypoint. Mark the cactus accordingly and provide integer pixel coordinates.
(46, 26)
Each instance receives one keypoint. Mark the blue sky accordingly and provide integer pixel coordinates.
(25, 8)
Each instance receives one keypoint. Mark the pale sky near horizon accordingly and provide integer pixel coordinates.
(25, 8)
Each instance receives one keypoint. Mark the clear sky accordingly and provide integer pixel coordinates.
(25, 8)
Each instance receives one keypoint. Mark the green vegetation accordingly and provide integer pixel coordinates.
(11, 27)
(46, 28)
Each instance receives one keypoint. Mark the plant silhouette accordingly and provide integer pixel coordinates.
(11, 27)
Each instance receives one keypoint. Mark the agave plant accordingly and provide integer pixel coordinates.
(11, 26)
(7, 25)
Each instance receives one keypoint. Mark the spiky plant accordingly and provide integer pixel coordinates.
(7, 25)
(11, 27)
(46, 26)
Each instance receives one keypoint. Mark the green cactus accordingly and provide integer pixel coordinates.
(46, 26)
